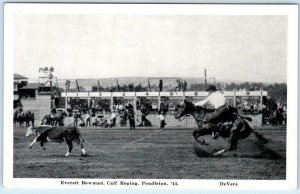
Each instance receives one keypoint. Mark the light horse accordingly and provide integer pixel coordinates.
(53, 121)
(232, 125)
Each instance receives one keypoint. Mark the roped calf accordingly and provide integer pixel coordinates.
(48, 133)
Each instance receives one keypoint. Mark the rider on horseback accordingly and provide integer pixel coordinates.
(215, 101)
(53, 113)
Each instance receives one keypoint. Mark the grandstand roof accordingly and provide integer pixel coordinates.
(18, 76)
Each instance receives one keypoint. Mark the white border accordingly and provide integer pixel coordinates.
(154, 9)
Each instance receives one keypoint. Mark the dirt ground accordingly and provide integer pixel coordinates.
(168, 154)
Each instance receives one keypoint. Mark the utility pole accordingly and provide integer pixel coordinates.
(149, 86)
(98, 86)
(77, 86)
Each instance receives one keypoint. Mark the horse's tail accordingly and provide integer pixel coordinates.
(259, 136)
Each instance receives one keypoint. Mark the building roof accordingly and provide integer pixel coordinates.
(18, 76)
(31, 86)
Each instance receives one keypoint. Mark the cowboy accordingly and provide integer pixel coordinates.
(216, 101)
(53, 112)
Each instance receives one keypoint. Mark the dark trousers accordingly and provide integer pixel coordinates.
(88, 122)
(75, 121)
(162, 124)
(113, 122)
(218, 115)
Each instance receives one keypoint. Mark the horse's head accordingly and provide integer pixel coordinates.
(185, 108)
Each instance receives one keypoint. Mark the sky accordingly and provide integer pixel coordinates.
(231, 47)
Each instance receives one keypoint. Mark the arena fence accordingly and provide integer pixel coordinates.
(188, 122)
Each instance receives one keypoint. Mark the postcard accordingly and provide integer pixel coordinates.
(150, 96)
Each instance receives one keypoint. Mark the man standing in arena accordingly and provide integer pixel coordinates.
(88, 118)
(162, 118)
(113, 118)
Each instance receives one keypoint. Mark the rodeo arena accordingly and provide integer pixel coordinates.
(145, 128)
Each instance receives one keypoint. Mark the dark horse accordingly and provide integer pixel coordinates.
(56, 120)
(21, 117)
(232, 125)
(276, 118)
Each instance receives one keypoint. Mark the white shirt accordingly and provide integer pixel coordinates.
(214, 100)
(87, 115)
(161, 117)
(113, 115)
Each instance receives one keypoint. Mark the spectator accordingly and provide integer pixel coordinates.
(32, 119)
(88, 118)
(75, 116)
(113, 118)
(162, 118)
(131, 120)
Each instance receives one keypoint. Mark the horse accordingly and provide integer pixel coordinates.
(28, 117)
(15, 118)
(19, 118)
(276, 118)
(232, 125)
(56, 120)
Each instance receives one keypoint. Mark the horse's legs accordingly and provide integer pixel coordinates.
(70, 147)
(82, 148)
(233, 141)
(234, 136)
(201, 132)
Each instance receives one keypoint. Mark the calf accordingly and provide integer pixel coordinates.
(48, 133)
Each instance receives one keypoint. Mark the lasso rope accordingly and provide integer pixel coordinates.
(123, 147)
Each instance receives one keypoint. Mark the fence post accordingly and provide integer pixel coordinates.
(185, 118)
(135, 109)
(66, 106)
(234, 97)
(89, 100)
(66, 101)
(261, 98)
(158, 101)
(111, 101)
